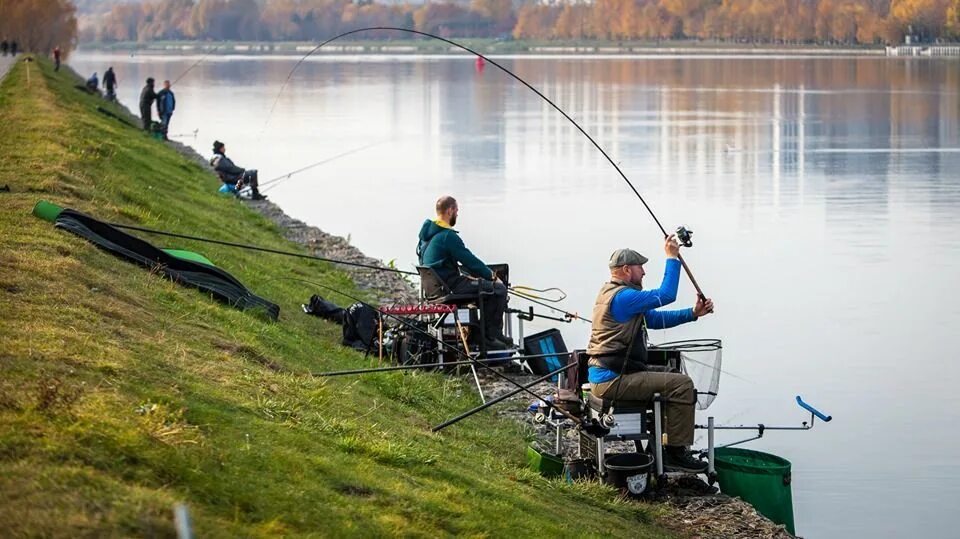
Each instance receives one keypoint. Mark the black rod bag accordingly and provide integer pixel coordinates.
(220, 284)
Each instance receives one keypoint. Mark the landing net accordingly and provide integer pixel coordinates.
(700, 360)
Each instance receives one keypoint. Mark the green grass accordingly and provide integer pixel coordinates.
(122, 393)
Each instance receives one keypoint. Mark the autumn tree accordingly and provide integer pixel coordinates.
(926, 18)
(39, 25)
(953, 19)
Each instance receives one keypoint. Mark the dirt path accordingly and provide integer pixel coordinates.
(6, 62)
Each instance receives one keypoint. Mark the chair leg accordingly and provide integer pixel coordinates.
(657, 435)
(600, 459)
(483, 329)
(466, 351)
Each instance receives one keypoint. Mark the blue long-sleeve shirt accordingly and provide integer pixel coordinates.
(630, 302)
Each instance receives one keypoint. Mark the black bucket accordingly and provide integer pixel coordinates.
(629, 472)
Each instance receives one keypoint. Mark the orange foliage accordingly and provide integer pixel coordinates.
(780, 21)
(39, 25)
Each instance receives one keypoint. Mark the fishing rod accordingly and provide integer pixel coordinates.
(195, 64)
(588, 425)
(567, 315)
(261, 249)
(596, 145)
(501, 398)
(430, 365)
(273, 182)
(201, 239)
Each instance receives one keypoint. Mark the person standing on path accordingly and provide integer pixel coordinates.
(147, 97)
(110, 83)
(166, 102)
(56, 58)
(13, 48)
(4, 47)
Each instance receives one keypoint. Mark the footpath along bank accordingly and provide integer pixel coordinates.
(122, 394)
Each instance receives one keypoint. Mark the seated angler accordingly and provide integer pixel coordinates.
(441, 249)
(618, 347)
(93, 84)
(233, 177)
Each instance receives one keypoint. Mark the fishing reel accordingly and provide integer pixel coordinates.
(684, 236)
(594, 428)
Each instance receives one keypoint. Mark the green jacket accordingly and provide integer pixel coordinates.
(442, 249)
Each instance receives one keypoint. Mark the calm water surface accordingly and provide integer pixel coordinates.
(824, 193)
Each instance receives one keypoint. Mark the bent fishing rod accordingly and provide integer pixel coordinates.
(596, 145)
(587, 425)
(567, 315)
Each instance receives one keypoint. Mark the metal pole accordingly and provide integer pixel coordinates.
(181, 521)
(657, 434)
(711, 469)
(490, 403)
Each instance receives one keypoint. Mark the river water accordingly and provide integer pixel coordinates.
(824, 194)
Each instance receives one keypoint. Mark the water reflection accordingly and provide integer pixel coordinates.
(823, 194)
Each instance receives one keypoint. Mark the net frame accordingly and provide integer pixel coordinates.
(699, 346)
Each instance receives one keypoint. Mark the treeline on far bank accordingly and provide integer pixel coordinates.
(39, 25)
(776, 21)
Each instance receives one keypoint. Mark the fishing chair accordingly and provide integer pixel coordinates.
(434, 290)
(627, 421)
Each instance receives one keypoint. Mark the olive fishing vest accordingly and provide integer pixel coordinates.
(612, 342)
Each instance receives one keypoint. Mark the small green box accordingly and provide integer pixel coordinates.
(544, 463)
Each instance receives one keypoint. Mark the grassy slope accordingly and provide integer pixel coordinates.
(122, 393)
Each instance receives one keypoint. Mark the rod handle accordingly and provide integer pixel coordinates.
(813, 410)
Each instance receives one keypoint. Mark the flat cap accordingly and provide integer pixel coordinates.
(626, 257)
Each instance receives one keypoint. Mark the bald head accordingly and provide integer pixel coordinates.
(447, 210)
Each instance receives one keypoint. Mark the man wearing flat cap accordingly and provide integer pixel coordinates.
(618, 347)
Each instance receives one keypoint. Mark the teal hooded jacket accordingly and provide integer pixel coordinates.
(441, 249)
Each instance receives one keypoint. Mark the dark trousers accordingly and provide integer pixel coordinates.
(494, 301)
(147, 115)
(165, 122)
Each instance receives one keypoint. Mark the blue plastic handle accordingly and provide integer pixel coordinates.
(813, 410)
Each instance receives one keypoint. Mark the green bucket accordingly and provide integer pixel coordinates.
(546, 464)
(761, 479)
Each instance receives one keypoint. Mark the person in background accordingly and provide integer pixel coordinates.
(110, 83)
(56, 58)
(4, 47)
(166, 102)
(13, 48)
(147, 97)
(232, 175)
(93, 84)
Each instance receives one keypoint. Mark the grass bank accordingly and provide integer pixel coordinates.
(122, 393)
